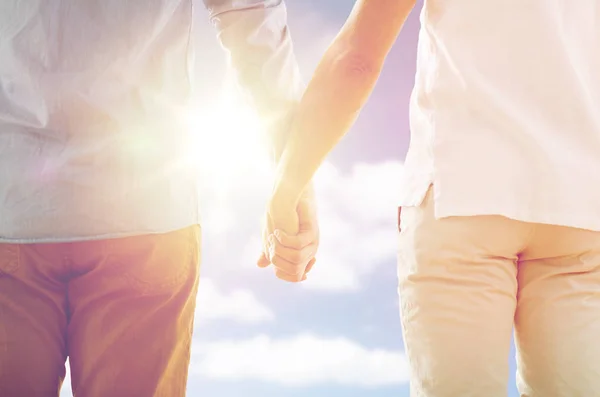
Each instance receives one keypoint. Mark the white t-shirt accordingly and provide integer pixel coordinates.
(505, 112)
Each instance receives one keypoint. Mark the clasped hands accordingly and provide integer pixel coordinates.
(290, 236)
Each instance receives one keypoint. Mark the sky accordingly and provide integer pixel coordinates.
(338, 334)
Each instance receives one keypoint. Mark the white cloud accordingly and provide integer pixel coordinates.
(358, 214)
(304, 360)
(239, 305)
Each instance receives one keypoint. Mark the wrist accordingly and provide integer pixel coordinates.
(285, 195)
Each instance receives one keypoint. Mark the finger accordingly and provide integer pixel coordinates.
(263, 261)
(289, 278)
(310, 266)
(291, 269)
(298, 241)
(295, 256)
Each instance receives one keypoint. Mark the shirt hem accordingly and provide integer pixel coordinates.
(94, 237)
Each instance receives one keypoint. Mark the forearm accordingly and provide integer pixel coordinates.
(338, 90)
(255, 34)
(330, 106)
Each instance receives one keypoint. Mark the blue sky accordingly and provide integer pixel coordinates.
(337, 335)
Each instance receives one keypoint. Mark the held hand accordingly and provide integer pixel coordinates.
(284, 218)
(291, 238)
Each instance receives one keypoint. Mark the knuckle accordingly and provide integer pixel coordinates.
(295, 243)
(295, 257)
(276, 261)
(298, 270)
(307, 240)
(282, 265)
(291, 270)
(282, 276)
(295, 271)
(293, 279)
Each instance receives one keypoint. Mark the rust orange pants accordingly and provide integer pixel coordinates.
(122, 311)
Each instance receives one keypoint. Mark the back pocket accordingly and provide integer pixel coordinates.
(156, 264)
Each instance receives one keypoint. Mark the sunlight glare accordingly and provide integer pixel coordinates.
(228, 145)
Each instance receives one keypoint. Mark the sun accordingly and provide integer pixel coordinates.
(227, 144)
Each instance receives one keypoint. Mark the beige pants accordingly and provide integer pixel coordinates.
(464, 282)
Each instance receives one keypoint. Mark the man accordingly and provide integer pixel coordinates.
(500, 222)
(99, 235)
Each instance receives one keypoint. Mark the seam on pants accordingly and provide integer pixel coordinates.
(67, 267)
(533, 228)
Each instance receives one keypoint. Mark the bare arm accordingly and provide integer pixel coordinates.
(256, 36)
(340, 86)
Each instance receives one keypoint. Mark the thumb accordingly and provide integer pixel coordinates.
(309, 268)
(263, 261)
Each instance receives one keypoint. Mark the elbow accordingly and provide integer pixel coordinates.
(358, 71)
(359, 62)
